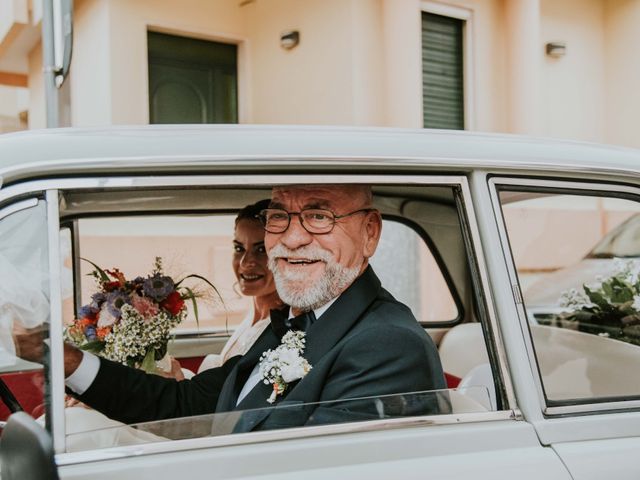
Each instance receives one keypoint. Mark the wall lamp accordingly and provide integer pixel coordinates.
(556, 49)
(289, 39)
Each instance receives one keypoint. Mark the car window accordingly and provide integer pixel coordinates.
(583, 305)
(422, 260)
(24, 304)
(622, 241)
(187, 244)
(203, 244)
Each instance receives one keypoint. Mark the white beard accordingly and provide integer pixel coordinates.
(291, 285)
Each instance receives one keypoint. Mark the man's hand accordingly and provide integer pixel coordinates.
(30, 346)
(29, 343)
(176, 371)
(72, 359)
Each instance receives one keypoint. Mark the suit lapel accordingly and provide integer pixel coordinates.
(240, 373)
(341, 316)
(321, 337)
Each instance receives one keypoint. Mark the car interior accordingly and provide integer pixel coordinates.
(427, 263)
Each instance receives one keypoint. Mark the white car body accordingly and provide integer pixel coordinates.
(526, 437)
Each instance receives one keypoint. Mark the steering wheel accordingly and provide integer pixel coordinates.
(8, 399)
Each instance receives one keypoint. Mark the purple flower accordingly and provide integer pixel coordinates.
(115, 301)
(158, 287)
(90, 333)
(88, 311)
(97, 299)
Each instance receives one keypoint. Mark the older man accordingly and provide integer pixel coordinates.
(358, 340)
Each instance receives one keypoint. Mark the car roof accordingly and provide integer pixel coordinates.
(156, 148)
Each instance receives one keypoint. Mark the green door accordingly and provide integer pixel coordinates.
(192, 81)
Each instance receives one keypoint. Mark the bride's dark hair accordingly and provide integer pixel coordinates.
(251, 212)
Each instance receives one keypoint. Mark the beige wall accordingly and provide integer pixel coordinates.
(359, 62)
(37, 112)
(573, 86)
(114, 89)
(91, 68)
(311, 84)
(622, 71)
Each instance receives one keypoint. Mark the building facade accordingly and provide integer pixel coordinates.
(544, 67)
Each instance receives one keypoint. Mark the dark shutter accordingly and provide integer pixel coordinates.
(442, 72)
(191, 80)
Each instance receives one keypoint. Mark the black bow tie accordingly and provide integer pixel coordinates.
(281, 323)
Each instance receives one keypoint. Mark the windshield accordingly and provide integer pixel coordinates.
(623, 241)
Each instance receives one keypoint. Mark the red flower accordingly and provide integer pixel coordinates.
(173, 303)
(103, 332)
(86, 321)
(110, 286)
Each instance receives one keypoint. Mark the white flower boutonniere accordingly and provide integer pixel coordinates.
(285, 364)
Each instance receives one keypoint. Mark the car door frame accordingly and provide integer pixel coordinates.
(576, 431)
(492, 427)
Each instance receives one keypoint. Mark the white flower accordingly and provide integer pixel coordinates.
(294, 371)
(627, 269)
(285, 364)
(574, 299)
(636, 303)
(106, 318)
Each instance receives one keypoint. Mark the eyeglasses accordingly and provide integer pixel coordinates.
(313, 220)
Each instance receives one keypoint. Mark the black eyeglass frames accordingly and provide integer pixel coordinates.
(313, 220)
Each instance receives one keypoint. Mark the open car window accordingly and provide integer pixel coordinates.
(423, 260)
(203, 244)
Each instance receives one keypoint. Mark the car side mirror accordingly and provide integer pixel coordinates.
(26, 450)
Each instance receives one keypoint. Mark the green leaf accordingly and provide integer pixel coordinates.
(596, 298)
(103, 276)
(200, 277)
(94, 347)
(621, 291)
(192, 297)
(149, 362)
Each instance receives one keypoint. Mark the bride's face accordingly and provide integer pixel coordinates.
(250, 259)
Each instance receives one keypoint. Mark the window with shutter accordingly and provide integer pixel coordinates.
(442, 72)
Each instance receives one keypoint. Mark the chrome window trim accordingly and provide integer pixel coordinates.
(56, 354)
(578, 185)
(74, 458)
(194, 179)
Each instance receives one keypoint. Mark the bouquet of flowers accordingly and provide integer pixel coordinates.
(129, 321)
(609, 308)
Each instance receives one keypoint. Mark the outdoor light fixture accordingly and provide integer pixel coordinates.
(289, 39)
(556, 49)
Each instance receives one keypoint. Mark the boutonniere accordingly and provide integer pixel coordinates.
(285, 364)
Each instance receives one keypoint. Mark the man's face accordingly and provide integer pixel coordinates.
(311, 269)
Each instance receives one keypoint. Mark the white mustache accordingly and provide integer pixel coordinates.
(308, 252)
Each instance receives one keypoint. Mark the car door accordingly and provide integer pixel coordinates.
(577, 313)
(463, 443)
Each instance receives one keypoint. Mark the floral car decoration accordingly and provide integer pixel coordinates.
(610, 307)
(129, 321)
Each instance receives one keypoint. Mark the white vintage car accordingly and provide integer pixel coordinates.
(527, 400)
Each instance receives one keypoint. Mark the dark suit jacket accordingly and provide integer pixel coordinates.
(366, 344)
